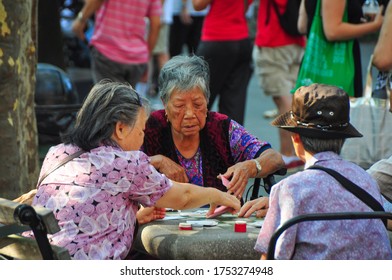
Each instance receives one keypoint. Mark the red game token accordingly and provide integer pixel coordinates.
(240, 226)
(185, 226)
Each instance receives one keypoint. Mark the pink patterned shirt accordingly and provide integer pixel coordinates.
(120, 29)
(315, 191)
(95, 198)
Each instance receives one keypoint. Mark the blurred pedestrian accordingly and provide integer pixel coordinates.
(337, 30)
(277, 56)
(160, 54)
(120, 49)
(226, 46)
(186, 27)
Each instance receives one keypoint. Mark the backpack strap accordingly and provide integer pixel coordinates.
(61, 163)
(360, 193)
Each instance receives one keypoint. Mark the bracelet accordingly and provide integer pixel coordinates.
(80, 17)
(258, 167)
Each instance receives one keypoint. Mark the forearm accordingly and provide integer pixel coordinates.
(270, 161)
(382, 58)
(188, 196)
(348, 31)
(199, 5)
(337, 30)
(153, 33)
(302, 19)
(156, 161)
(90, 7)
(79, 24)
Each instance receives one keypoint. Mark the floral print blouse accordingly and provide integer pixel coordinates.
(243, 146)
(95, 198)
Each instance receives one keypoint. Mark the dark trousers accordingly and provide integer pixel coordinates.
(183, 34)
(230, 65)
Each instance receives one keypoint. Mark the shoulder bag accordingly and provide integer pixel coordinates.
(371, 116)
(326, 62)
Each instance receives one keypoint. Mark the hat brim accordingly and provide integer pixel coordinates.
(285, 121)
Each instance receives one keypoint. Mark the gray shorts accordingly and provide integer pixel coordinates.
(276, 69)
(104, 68)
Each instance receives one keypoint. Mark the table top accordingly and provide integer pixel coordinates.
(164, 240)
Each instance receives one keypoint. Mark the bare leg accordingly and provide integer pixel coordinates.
(283, 103)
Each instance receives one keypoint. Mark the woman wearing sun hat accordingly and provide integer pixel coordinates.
(319, 121)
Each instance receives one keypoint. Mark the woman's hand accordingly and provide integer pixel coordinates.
(26, 198)
(185, 17)
(238, 174)
(223, 198)
(78, 27)
(259, 205)
(171, 169)
(148, 214)
(379, 18)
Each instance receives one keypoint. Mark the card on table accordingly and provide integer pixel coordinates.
(219, 211)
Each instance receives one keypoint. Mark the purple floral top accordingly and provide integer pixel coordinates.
(243, 146)
(95, 198)
(315, 191)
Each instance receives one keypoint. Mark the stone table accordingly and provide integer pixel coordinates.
(164, 240)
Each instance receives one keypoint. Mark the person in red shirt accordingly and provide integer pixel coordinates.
(277, 57)
(226, 46)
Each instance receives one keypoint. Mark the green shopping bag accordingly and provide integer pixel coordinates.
(326, 62)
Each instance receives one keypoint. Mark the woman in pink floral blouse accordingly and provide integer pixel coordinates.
(95, 197)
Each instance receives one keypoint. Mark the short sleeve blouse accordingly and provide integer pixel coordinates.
(95, 198)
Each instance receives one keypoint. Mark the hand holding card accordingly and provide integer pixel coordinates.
(225, 181)
(219, 211)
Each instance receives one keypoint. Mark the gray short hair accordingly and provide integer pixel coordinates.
(106, 104)
(184, 73)
(316, 145)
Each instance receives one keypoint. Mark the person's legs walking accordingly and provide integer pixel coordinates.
(212, 53)
(232, 100)
(177, 35)
(277, 70)
(229, 75)
(194, 34)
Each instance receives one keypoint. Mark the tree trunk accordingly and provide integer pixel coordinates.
(18, 131)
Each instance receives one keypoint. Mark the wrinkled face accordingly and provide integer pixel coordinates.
(187, 111)
(134, 136)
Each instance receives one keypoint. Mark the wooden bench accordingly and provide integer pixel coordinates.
(16, 218)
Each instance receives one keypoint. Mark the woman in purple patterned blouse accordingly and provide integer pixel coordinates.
(95, 197)
(190, 144)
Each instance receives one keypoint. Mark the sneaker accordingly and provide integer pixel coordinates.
(270, 114)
